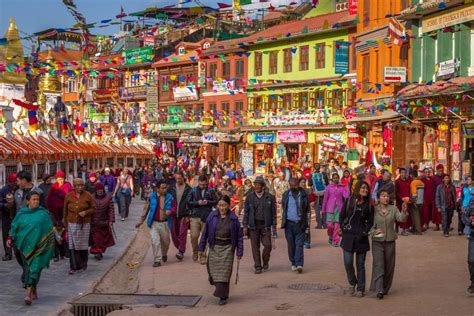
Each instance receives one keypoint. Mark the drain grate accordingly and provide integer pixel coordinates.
(99, 304)
(310, 287)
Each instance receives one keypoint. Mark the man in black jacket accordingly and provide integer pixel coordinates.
(8, 211)
(260, 219)
(180, 220)
(201, 199)
(295, 206)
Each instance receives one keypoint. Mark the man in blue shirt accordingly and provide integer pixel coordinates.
(295, 208)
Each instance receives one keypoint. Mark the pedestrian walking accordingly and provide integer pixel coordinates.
(45, 186)
(307, 185)
(123, 192)
(383, 243)
(356, 220)
(446, 203)
(320, 181)
(429, 195)
(32, 236)
(403, 195)
(467, 194)
(436, 216)
(295, 209)
(224, 236)
(108, 181)
(162, 205)
(417, 188)
(201, 200)
(386, 184)
(91, 182)
(8, 210)
(79, 206)
(102, 222)
(182, 218)
(259, 221)
(468, 217)
(333, 202)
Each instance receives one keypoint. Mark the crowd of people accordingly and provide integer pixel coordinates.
(220, 206)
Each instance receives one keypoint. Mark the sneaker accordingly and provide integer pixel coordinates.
(195, 256)
(275, 235)
(380, 296)
(330, 241)
(265, 267)
(307, 245)
(180, 256)
(299, 269)
(203, 260)
(222, 301)
(258, 270)
(156, 264)
(7, 258)
(359, 294)
(446, 234)
(404, 233)
(165, 259)
(460, 233)
(293, 268)
(351, 290)
(470, 290)
(123, 219)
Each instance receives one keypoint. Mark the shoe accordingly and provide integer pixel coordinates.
(7, 258)
(330, 241)
(319, 227)
(195, 256)
(293, 268)
(299, 269)
(446, 234)
(265, 267)
(180, 256)
(275, 235)
(156, 264)
(258, 270)
(359, 294)
(380, 296)
(336, 245)
(351, 290)
(470, 290)
(222, 301)
(203, 260)
(460, 233)
(56, 259)
(71, 272)
(307, 246)
(165, 259)
(28, 300)
(98, 256)
(436, 228)
(85, 268)
(123, 219)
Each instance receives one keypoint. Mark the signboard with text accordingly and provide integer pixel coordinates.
(138, 55)
(138, 92)
(352, 7)
(292, 136)
(152, 102)
(104, 95)
(445, 19)
(246, 161)
(446, 69)
(187, 93)
(341, 57)
(394, 74)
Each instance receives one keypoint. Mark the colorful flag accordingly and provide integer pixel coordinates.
(122, 13)
(396, 32)
(223, 5)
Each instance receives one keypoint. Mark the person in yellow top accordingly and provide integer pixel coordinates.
(417, 189)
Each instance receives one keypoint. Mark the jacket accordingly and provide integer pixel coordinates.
(269, 211)
(356, 221)
(209, 233)
(73, 206)
(55, 200)
(182, 210)
(334, 197)
(108, 182)
(303, 210)
(387, 223)
(104, 214)
(170, 205)
(201, 211)
(440, 200)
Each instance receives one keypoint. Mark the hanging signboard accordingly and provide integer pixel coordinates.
(246, 161)
(104, 95)
(187, 93)
(223, 86)
(394, 74)
(138, 55)
(341, 57)
(352, 7)
(292, 136)
(255, 138)
(138, 92)
(446, 69)
(151, 102)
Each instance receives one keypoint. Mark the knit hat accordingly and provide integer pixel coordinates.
(45, 177)
(60, 174)
(99, 186)
(92, 175)
(11, 178)
(225, 198)
(260, 180)
(440, 167)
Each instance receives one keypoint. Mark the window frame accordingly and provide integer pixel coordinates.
(287, 60)
(273, 62)
(239, 66)
(304, 58)
(258, 64)
(320, 56)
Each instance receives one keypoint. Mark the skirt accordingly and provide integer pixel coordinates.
(78, 236)
(219, 263)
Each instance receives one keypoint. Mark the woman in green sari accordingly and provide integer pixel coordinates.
(32, 235)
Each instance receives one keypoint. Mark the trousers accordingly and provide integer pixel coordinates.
(197, 226)
(447, 216)
(260, 235)
(354, 280)
(179, 232)
(383, 266)
(160, 239)
(415, 210)
(295, 234)
(124, 205)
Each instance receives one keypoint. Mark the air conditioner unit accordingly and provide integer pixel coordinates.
(341, 5)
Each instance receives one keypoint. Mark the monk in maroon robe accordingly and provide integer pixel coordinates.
(402, 190)
(428, 199)
(436, 217)
(102, 221)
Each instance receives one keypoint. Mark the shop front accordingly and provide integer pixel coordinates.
(262, 144)
(290, 147)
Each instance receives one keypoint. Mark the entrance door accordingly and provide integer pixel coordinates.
(407, 140)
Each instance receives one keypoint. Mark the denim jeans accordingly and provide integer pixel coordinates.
(447, 217)
(124, 205)
(358, 280)
(320, 218)
(295, 234)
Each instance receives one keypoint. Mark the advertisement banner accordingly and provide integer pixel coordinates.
(152, 102)
(104, 95)
(223, 86)
(138, 55)
(352, 7)
(255, 138)
(341, 57)
(394, 74)
(293, 136)
(138, 92)
(187, 93)
(210, 138)
(246, 161)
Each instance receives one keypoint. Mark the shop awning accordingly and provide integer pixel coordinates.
(368, 117)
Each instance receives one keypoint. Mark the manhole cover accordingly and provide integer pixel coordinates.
(310, 287)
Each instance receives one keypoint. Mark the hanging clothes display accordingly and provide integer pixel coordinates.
(456, 151)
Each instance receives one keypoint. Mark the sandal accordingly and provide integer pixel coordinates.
(28, 300)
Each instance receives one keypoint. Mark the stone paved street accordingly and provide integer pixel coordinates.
(56, 286)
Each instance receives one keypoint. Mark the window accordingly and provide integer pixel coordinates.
(226, 69)
(287, 101)
(238, 106)
(404, 4)
(92, 83)
(225, 107)
(335, 99)
(239, 68)
(272, 102)
(404, 57)
(320, 55)
(320, 98)
(181, 50)
(366, 13)
(135, 80)
(212, 75)
(304, 58)
(353, 55)
(103, 83)
(390, 57)
(213, 107)
(257, 103)
(377, 66)
(303, 100)
(71, 85)
(273, 63)
(150, 77)
(365, 72)
(287, 60)
(258, 64)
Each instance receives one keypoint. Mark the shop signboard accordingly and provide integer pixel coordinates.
(341, 57)
(104, 95)
(178, 126)
(139, 55)
(99, 117)
(173, 114)
(210, 138)
(151, 102)
(187, 93)
(149, 40)
(394, 74)
(447, 69)
(352, 7)
(190, 139)
(256, 138)
(223, 86)
(445, 19)
(292, 136)
(131, 93)
(246, 161)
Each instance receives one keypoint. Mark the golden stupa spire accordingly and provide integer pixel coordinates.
(12, 53)
(49, 82)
